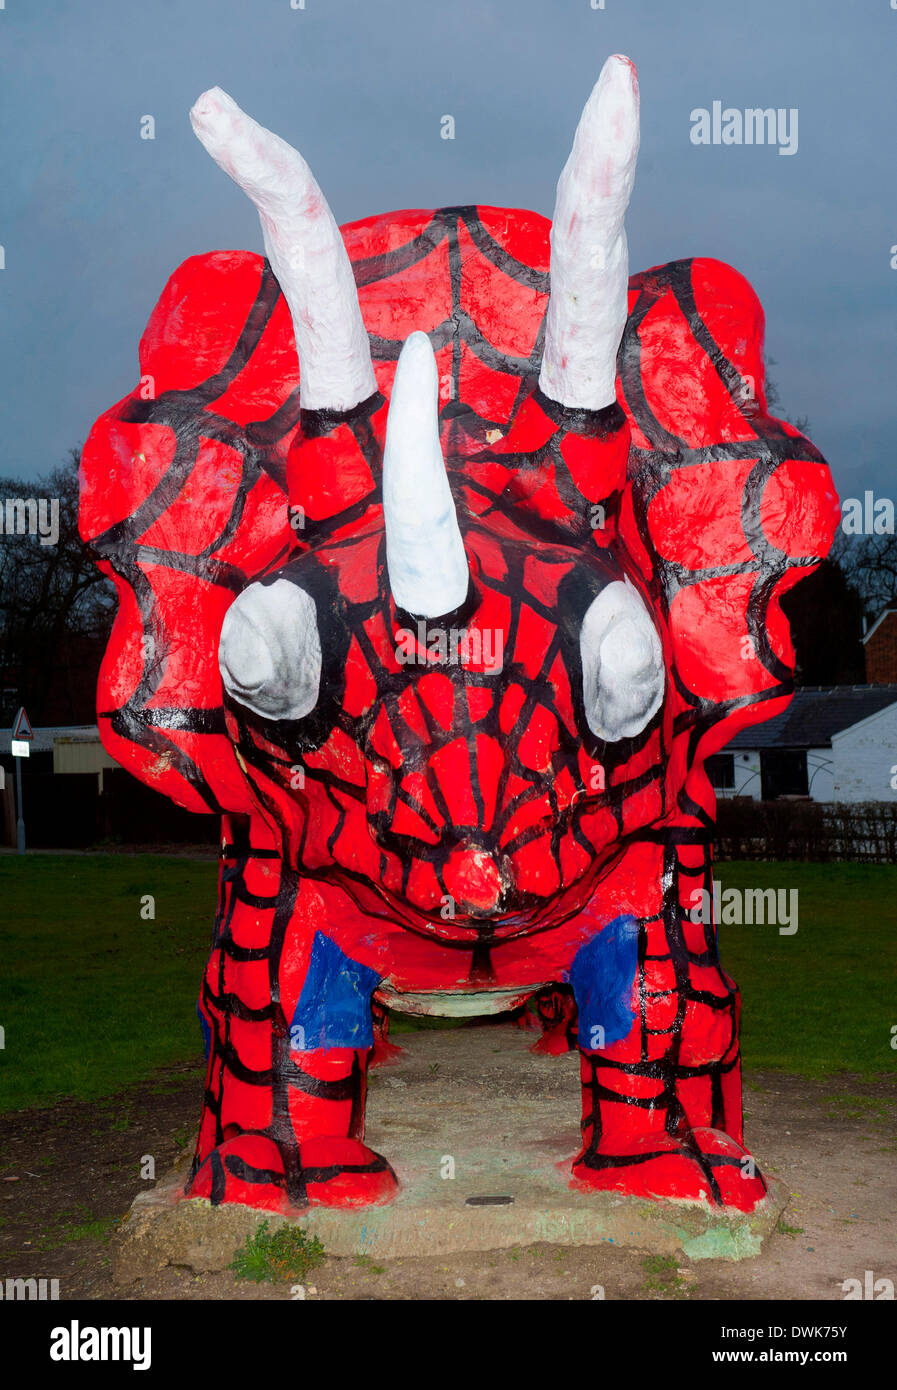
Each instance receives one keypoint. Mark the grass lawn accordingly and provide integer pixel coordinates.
(825, 999)
(93, 997)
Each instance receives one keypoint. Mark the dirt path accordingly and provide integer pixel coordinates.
(69, 1173)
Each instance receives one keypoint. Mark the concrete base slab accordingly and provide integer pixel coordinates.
(474, 1125)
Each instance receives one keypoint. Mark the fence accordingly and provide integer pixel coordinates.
(862, 832)
(66, 811)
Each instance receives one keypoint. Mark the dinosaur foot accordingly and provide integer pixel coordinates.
(345, 1173)
(384, 1053)
(554, 1042)
(707, 1166)
(332, 1172)
(247, 1169)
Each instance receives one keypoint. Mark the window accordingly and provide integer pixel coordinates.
(783, 772)
(721, 771)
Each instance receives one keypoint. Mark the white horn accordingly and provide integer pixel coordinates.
(269, 654)
(424, 551)
(589, 257)
(622, 663)
(304, 247)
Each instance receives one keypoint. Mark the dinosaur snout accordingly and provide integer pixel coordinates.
(473, 880)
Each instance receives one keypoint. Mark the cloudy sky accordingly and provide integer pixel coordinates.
(93, 218)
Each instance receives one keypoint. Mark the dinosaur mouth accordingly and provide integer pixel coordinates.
(471, 926)
(445, 1003)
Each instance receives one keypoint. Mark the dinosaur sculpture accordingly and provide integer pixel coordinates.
(441, 602)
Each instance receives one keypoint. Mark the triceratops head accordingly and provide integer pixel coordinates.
(443, 698)
(423, 584)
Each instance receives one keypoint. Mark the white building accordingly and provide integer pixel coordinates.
(71, 748)
(832, 743)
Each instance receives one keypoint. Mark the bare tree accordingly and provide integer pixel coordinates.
(870, 564)
(55, 607)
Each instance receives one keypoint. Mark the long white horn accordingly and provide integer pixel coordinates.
(304, 247)
(589, 256)
(424, 551)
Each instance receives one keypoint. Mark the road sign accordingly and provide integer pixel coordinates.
(22, 734)
(22, 729)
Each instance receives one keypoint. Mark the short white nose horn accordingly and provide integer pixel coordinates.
(425, 554)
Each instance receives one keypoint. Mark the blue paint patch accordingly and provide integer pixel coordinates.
(602, 976)
(205, 1030)
(334, 1008)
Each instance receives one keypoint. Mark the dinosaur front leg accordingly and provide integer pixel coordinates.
(556, 1009)
(658, 1032)
(384, 1052)
(289, 1016)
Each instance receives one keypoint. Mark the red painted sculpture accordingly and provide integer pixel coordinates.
(446, 645)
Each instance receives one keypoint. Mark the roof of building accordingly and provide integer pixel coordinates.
(44, 738)
(885, 612)
(815, 713)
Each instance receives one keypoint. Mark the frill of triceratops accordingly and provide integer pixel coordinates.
(182, 498)
(566, 469)
(728, 507)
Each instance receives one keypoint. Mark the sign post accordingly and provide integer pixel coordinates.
(22, 736)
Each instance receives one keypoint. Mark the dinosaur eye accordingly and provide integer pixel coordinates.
(622, 663)
(270, 652)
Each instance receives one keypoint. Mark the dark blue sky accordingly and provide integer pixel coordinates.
(93, 219)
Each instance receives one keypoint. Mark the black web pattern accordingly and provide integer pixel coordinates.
(191, 414)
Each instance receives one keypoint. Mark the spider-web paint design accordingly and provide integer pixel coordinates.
(185, 499)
